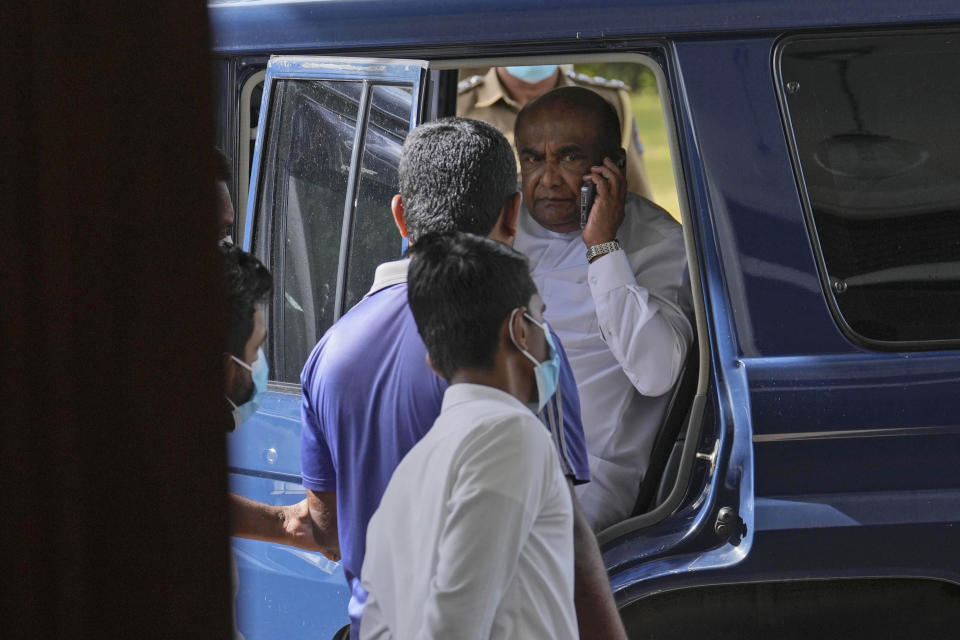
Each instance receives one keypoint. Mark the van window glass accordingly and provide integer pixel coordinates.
(875, 123)
(304, 194)
(374, 237)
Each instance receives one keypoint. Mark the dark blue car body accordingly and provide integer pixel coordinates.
(836, 452)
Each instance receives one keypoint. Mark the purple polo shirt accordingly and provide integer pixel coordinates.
(369, 396)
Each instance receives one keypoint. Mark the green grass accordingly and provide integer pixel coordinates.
(648, 113)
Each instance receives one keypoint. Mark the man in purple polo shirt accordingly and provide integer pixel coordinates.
(368, 394)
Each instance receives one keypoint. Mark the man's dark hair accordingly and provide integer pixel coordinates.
(460, 288)
(455, 175)
(607, 121)
(221, 166)
(247, 283)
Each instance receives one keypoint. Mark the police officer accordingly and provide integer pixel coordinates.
(498, 95)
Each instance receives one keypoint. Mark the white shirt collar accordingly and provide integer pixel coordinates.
(389, 274)
(465, 392)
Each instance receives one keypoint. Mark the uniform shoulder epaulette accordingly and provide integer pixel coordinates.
(597, 81)
(465, 85)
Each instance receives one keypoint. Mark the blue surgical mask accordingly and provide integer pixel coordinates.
(532, 74)
(547, 373)
(259, 371)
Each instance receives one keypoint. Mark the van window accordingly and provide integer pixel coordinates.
(374, 238)
(324, 174)
(874, 122)
(302, 199)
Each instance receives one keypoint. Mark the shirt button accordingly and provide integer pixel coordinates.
(593, 280)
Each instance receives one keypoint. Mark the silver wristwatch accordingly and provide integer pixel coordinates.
(602, 249)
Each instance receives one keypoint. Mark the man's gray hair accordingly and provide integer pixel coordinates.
(455, 175)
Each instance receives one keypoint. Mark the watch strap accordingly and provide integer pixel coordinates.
(597, 250)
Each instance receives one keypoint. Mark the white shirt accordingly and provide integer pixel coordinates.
(474, 535)
(623, 321)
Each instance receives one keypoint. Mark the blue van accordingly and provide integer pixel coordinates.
(807, 477)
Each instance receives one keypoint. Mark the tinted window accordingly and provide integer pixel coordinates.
(875, 122)
(374, 237)
(307, 162)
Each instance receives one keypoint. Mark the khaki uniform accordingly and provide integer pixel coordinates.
(484, 98)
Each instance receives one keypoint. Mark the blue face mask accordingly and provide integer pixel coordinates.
(547, 373)
(532, 74)
(259, 371)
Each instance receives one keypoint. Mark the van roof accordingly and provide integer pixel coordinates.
(299, 25)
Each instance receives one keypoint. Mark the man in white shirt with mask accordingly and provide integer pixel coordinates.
(617, 290)
(473, 535)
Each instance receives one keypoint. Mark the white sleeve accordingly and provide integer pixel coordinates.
(640, 317)
(372, 624)
(494, 500)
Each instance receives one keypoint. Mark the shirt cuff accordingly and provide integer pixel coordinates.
(610, 271)
(318, 484)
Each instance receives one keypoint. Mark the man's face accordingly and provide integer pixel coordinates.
(240, 381)
(557, 147)
(224, 208)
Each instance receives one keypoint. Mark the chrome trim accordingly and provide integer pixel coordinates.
(288, 388)
(858, 433)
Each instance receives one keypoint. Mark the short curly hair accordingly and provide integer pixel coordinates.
(455, 175)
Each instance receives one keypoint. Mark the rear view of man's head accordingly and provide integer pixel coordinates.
(461, 289)
(456, 174)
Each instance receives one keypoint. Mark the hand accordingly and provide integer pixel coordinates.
(606, 216)
(298, 527)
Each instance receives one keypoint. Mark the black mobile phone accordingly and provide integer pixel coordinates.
(587, 193)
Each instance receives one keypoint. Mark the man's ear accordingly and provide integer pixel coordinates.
(433, 367)
(229, 374)
(505, 229)
(621, 159)
(519, 329)
(396, 206)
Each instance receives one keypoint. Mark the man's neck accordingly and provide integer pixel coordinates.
(492, 378)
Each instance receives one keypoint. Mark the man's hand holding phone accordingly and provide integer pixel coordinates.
(606, 213)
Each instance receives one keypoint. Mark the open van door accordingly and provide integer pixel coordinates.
(318, 215)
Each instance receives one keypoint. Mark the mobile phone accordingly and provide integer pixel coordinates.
(587, 193)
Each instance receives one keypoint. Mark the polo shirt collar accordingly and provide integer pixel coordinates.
(389, 274)
(466, 392)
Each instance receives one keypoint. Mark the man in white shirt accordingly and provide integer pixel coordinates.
(617, 290)
(473, 535)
